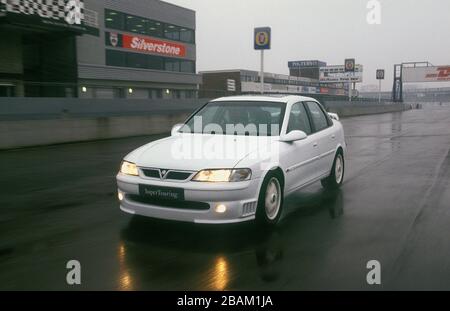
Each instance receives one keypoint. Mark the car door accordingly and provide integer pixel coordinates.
(298, 155)
(324, 138)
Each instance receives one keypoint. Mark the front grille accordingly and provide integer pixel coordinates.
(170, 175)
(187, 205)
(249, 208)
(151, 173)
(178, 175)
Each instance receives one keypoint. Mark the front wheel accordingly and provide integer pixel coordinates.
(270, 201)
(336, 177)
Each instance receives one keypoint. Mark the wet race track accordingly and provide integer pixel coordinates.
(59, 203)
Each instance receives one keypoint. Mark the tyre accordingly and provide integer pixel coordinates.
(270, 201)
(336, 178)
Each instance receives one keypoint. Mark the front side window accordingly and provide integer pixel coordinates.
(318, 117)
(298, 119)
(250, 118)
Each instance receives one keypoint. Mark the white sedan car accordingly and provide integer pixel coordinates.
(235, 159)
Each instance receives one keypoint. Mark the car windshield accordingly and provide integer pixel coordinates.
(249, 118)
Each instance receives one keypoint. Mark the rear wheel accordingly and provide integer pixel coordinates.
(270, 201)
(336, 177)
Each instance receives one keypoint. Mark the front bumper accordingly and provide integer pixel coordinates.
(240, 198)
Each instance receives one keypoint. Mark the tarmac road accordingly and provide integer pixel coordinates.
(59, 203)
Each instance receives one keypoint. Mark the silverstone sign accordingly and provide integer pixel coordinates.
(146, 45)
(68, 11)
(426, 74)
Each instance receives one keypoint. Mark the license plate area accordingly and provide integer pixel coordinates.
(161, 193)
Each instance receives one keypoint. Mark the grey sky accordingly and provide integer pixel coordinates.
(328, 30)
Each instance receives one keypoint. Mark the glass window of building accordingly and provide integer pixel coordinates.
(187, 35)
(172, 32)
(115, 58)
(187, 66)
(114, 19)
(155, 63)
(136, 60)
(155, 29)
(172, 64)
(136, 24)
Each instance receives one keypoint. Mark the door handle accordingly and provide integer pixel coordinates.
(315, 145)
(333, 136)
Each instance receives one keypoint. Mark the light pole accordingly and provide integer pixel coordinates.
(262, 72)
(380, 76)
(349, 67)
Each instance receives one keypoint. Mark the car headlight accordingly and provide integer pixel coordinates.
(129, 168)
(223, 175)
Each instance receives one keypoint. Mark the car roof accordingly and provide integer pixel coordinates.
(266, 98)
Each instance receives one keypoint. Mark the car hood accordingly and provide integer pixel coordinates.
(194, 152)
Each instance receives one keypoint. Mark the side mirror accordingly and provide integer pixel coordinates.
(333, 116)
(176, 128)
(293, 136)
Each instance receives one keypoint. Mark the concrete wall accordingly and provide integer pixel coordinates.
(345, 109)
(17, 134)
(26, 122)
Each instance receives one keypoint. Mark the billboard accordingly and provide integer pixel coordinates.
(337, 74)
(146, 44)
(262, 38)
(306, 64)
(350, 65)
(426, 74)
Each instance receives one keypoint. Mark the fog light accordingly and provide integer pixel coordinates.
(120, 196)
(221, 209)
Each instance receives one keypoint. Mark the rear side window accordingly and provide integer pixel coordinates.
(298, 119)
(318, 117)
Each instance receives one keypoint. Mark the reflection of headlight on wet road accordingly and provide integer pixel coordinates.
(220, 274)
(125, 279)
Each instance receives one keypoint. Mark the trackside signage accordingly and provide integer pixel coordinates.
(153, 46)
(426, 74)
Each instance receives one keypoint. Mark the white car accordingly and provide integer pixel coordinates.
(235, 159)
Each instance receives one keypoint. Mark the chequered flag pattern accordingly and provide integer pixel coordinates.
(55, 9)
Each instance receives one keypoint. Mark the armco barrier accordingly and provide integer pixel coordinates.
(26, 122)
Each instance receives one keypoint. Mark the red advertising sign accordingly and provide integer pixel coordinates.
(441, 74)
(150, 45)
(426, 74)
(324, 90)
